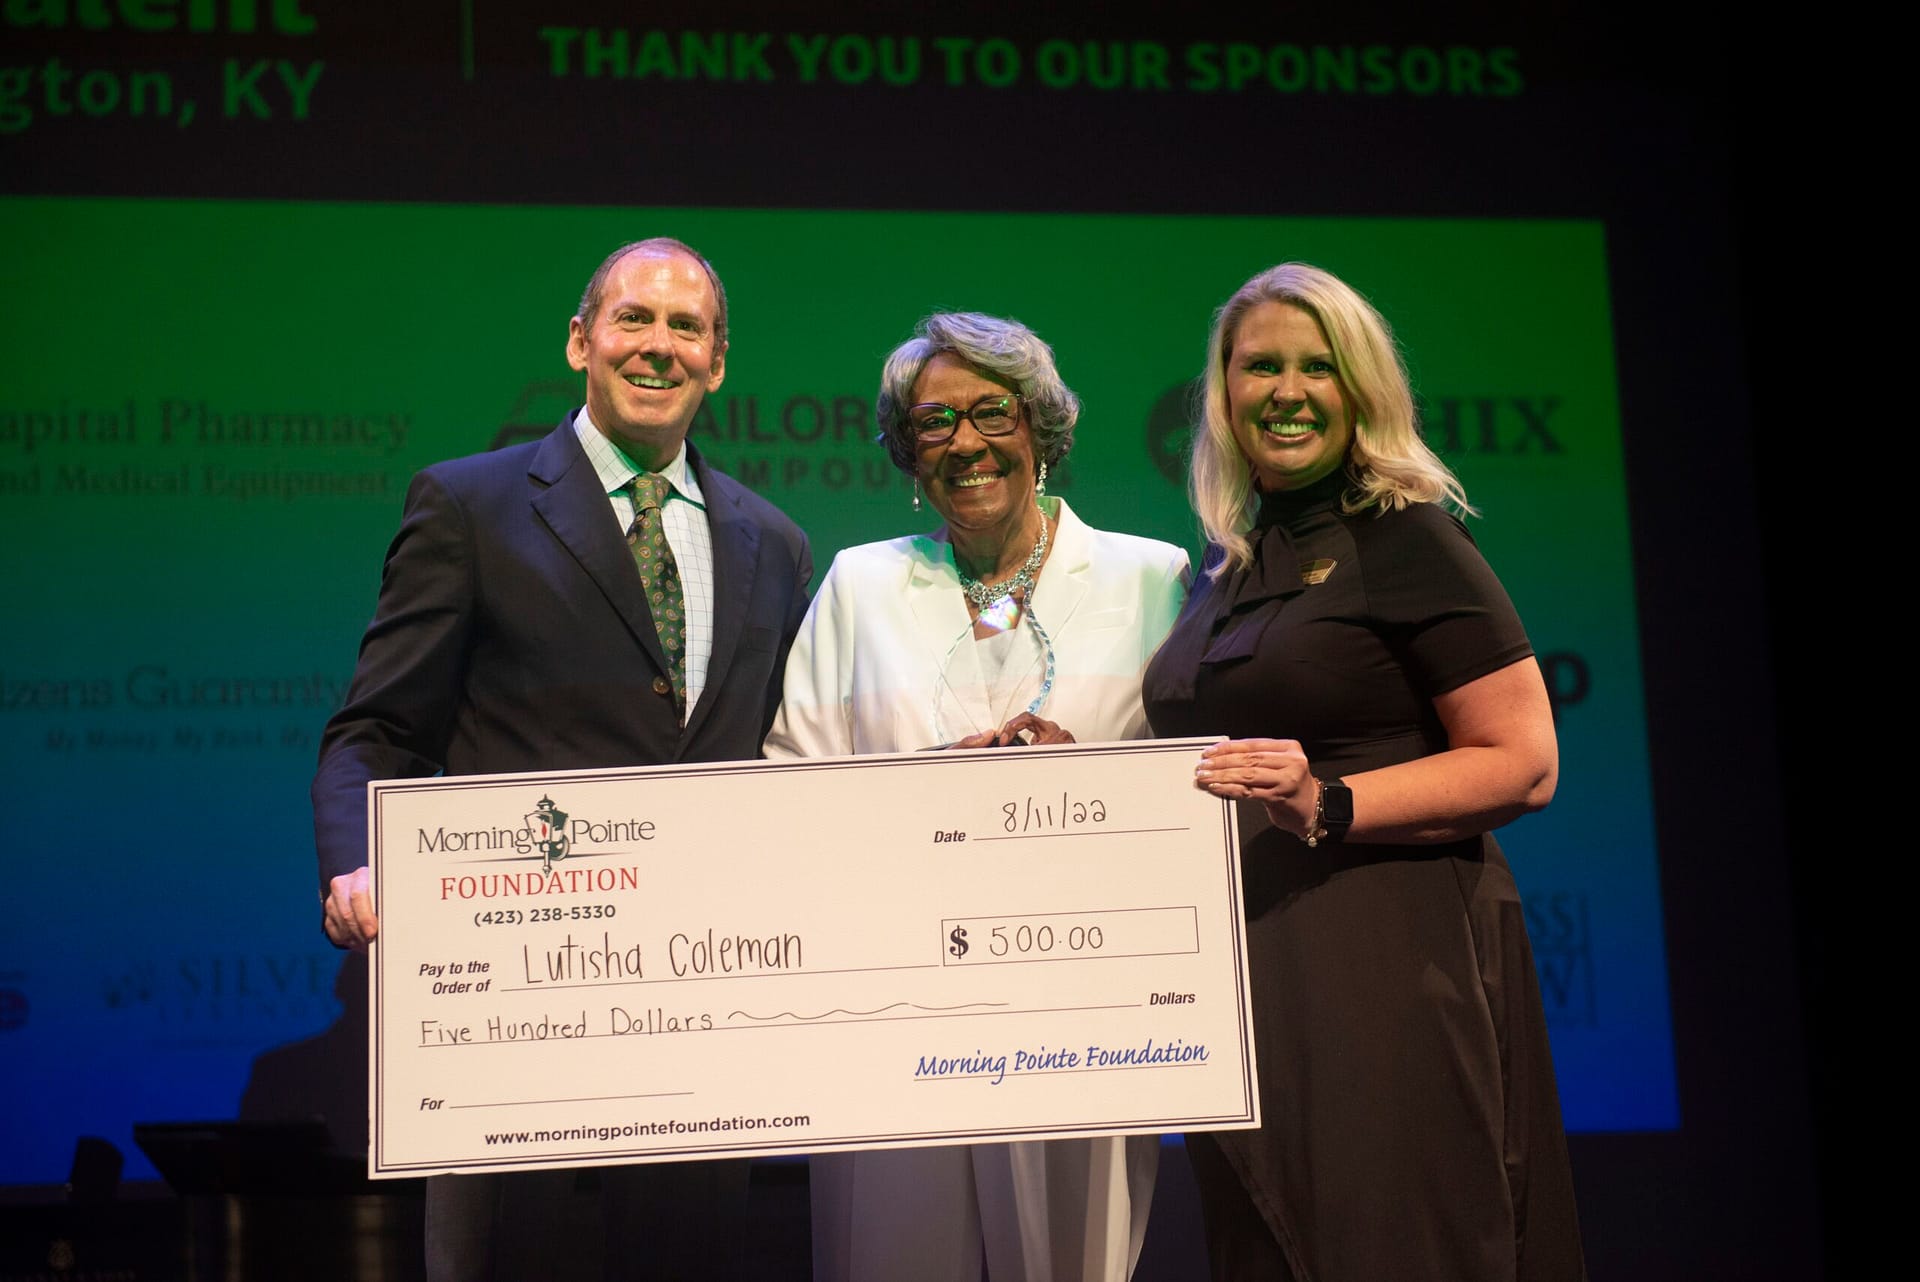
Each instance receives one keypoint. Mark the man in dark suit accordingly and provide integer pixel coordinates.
(513, 632)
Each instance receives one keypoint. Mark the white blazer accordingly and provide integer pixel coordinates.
(869, 658)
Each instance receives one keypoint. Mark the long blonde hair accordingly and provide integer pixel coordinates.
(1388, 465)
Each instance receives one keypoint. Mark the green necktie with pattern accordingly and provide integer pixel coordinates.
(660, 577)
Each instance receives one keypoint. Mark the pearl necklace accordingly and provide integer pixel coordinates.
(985, 595)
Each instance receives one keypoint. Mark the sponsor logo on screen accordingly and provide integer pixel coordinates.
(224, 998)
(774, 446)
(1521, 426)
(1170, 428)
(1569, 679)
(1563, 954)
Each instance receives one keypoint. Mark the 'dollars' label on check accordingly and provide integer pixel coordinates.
(788, 957)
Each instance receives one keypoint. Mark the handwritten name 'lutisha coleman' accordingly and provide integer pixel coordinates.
(709, 953)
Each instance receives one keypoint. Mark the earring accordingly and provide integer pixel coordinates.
(916, 494)
(1040, 486)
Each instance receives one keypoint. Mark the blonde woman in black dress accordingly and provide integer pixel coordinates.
(1386, 714)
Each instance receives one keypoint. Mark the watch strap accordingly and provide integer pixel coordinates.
(1332, 811)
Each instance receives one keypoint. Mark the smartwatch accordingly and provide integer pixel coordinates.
(1332, 812)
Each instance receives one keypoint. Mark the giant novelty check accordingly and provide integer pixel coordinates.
(678, 962)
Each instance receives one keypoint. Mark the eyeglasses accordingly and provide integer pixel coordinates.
(933, 422)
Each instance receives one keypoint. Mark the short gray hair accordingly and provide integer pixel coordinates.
(1002, 347)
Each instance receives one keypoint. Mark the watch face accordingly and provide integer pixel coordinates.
(1336, 804)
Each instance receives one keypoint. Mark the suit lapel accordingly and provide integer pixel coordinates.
(940, 617)
(1063, 581)
(933, 590)
(736, 555)
(567, 496)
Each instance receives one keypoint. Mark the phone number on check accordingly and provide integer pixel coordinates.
(517, 917)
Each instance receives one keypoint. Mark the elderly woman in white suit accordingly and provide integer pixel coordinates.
(1012, 622)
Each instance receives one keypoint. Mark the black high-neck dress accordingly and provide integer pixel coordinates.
(1410, 1122)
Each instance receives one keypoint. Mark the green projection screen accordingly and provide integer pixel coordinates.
(197, 484)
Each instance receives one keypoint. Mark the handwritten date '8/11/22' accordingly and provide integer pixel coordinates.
(1040, 816)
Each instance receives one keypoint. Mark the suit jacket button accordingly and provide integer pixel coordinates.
(660, 686)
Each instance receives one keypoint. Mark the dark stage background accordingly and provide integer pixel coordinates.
(222, 215)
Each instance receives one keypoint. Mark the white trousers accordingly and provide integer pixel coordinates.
(1041, 1211)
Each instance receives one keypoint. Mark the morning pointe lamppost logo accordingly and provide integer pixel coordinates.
(548, 827)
